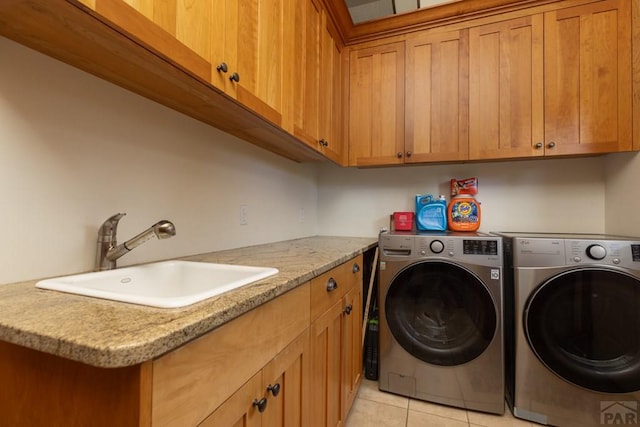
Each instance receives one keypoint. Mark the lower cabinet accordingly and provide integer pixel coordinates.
(352, 347)
(336, 343)
(277, 396)
(294, 361)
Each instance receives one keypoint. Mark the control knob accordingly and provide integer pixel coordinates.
(596, 252)
(436, 246)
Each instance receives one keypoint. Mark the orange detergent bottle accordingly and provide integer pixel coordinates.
(463, 213)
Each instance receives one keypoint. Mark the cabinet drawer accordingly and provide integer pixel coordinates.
(331, 286)
(192, 381)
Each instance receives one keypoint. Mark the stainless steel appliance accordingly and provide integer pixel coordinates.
(576, 336)
(441, 318)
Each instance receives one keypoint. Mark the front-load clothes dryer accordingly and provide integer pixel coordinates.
(576, 337)
(441, 318)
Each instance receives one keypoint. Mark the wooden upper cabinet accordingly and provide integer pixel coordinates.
(554, 83)
(239, 47)
(376, 105)
(330, 101)
(588, 88)
(317, 81)
(506, 89)
(437, 97)
(178, 31)
(306, 80)
(248, 53)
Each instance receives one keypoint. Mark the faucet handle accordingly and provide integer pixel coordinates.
(109, 229)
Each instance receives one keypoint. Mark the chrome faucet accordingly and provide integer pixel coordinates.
(108, 251)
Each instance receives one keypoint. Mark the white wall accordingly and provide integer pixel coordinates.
(75, 150)
(558, 195)
(622, 199)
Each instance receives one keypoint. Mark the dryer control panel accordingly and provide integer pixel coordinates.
(550, 252)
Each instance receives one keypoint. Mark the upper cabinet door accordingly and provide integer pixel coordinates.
(180, 32)
(588, 91)
(331, 133)
(258, 37)
(506, 89)
(437, 98)
(376, 105)
(306, 79)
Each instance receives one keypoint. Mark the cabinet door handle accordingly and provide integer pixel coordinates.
(274, 389)
(324, 142)
(260, 404)
(332, 285)
(235, 77)
(399, 154)
(551, 144)
(538, 145)
(222, 67)
(355, 268)
(348, 310)
(409, 153)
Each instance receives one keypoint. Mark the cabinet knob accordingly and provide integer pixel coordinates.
(538, 145)
(356, 268)
(222, 67)
(324, 142)
(274, 389)
(409, 153)
(235, 77)
(348, 309)
(332, 285)
(399, 154)
(551, 144)
(260, 404)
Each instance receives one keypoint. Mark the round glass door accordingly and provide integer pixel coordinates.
(584, 325)
(440, 313)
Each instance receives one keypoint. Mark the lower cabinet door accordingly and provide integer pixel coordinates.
(352, 348)
(326, 367)
(286, 386)
(241, 409)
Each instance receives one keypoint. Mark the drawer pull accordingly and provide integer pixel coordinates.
(260, 404)
(348, 310)
(332, 285)
(356, 268)
(274, 389)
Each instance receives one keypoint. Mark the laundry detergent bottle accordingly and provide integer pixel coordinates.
(431, 214)
(464, 213)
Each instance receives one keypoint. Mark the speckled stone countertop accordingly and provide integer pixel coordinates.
(112, 334)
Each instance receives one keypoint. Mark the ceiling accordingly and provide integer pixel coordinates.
(367, 10)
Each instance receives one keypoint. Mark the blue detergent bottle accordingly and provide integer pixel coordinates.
(431, 214)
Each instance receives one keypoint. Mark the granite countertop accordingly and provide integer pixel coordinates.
(112, 334)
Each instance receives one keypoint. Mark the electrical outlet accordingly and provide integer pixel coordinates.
(244, 215)
(301, 215)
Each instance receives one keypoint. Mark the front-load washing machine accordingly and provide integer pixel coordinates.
(440, 306)
(576, 337)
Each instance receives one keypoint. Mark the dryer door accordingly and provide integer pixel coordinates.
(440, 313)
(584, 325)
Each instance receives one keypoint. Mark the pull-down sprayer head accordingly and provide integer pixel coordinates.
(108, 252)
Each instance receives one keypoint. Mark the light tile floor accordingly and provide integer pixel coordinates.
(375, 408)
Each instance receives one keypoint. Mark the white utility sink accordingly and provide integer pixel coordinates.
(163, 284)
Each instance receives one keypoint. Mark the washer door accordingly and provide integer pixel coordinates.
(584, 325)
(440, 313)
